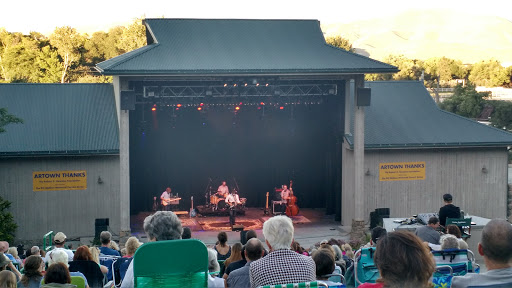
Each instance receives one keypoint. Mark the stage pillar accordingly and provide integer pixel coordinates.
(123, 117)
(359, 197)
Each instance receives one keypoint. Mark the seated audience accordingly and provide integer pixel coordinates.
(223, 249)
(324, 261)
(57, 276)
(281, 265)
(7, 279)
(187, 233)
(236, 255)
(95, 254)
(60, 256)
(496, 248)
(241, 263)
(403, 261)
(59, 241)
(297, 248)
(131, 246)
(428, 233)
(213, 266)
(241, 277)
(449, 242)
(163, 225)
(33, 273)
(454, 230)
(5, 263)
(32, 251)
(106, 242)
(13, 251)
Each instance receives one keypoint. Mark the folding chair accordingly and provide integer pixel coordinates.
(119, 267)
(461, 261)
(365, 270)
(172, 263)
(442, 277)
(91, 271)
(107, 261)
(78, 281)
(297, 285)
(464, 225)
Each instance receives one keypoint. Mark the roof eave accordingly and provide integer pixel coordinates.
(108, 72)
(60, 153)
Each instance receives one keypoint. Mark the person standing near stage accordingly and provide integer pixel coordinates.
(285, 196)
(165, 197)
(223, 190)
(448, 210)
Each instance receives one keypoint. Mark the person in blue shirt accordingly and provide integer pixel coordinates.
(105, 238)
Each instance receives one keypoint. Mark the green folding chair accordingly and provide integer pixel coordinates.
(463, 223)
(171, 263)
(78, 281)
(297, 285)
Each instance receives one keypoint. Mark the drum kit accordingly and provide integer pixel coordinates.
(218, 202)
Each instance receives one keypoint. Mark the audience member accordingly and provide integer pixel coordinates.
(187, 233)
(403, 261)
(163, 225)
(32, 251)
(377, 233)
(454, 230)
(132, 244)
(241, 277)
(324, 261)
(297, 248)
(7, 279)
(428, 232)
(95, 254)
(57, 276)
(449, 241)
(223, 249)
(60, 256)
(281, 265)
(496, 249)
(236, 255)
(448, 210)
(241, 263)
(33, 273)
(106, 240)
(5, 263)
(13, 251)
(59, 241)
(214, 267)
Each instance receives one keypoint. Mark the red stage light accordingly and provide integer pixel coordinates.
(237, 108)
(259, 108)
(179, 105)
(201, 104)
(153, 109)
(199, 108)
(177, 108)
(262, 103)
(281, 108)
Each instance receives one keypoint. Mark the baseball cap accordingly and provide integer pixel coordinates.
(59, 238)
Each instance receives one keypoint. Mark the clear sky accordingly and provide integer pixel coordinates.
(94, 15)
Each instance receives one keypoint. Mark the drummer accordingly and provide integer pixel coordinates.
(223, 190)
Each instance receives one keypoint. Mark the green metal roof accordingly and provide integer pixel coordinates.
(403, 114)
(60, 119)
(234, 46)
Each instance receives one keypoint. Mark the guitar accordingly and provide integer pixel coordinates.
(266, 211)
(167, 201)
(192, 210)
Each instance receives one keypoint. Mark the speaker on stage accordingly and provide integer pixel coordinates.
(100, 224)
(127, 100)
(377, 216)
(243, 237)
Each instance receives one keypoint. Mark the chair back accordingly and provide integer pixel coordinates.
(171, 263)
(442, 277)
(464, 225)
(365, 270)
(78, 281)
(91, 271)
(298, 285)
(107, 261)
(457, 259)
(119, 268)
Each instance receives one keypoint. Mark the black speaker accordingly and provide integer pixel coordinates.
(100, 225)
(364, 96)
(377, 216)
(243, 237)
(127, 100)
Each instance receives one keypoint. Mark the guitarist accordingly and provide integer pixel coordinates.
(232, 199)
(166, 199)
(285, 196)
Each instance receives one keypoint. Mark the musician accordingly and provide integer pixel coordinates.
(223, 190)
(166, 195)
(232, 199)
(285, 196)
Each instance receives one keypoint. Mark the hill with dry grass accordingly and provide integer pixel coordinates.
(427, 34)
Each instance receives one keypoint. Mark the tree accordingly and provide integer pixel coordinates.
(133, 37)
(7, 224)
(409, 69)
(6, 118)
(444, 68)
(466, 101)
(489, 73)
(340, 42)
(69, 45)
(50, 67)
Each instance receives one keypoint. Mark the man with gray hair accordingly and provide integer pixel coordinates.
(281, 265)
(105, 238)
(163, 225)
(496, 248)
(240, 278)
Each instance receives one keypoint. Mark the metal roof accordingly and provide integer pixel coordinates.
(236, 46)
(403, 114)
(64, 119)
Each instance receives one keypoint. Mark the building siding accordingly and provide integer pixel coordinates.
(70, 211)
(454, 171)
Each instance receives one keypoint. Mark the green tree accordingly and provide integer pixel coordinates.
(50, 67)
(17, 57)
(133, 36)
(447, 69)
(6, 118)
(502, 115)
(69, 45)
(409, 69)
(489, 73)
(7, 225)
(340, 42)
(466, 101)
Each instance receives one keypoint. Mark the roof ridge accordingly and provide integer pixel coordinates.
(135, 53)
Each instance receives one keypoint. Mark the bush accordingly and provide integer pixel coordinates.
(7, 224)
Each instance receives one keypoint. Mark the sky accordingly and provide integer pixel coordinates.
(95, 15)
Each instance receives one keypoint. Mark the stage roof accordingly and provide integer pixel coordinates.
(404, 115)
(62, 119)
(236, 46)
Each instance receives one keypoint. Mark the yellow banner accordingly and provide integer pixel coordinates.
(59, 180)
(402, 171)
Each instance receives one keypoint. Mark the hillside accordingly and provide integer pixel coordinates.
(426, 34)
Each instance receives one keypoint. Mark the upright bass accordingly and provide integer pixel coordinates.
(291, 207)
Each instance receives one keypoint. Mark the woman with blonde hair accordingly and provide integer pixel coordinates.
(14, 252)
(7, 279)
(132, 244)
(95, 256)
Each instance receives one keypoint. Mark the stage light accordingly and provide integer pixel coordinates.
(179, 105)
(199, 108)
(237, 108)
(266, 85)
(257, 84)
(259, 108)
(281, 108)
(177, 108)
(225, 85)
(234, 85)
(240, 103)
(201, 104)
(153, 109)
(262, 103)
(245, 84)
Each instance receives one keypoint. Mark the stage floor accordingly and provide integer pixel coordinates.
(311, 226)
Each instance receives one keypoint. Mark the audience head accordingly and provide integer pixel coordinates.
(250, 234)
(433, 222)
(34, 266)
(213, 265)
(163, 225)
(7, 279)
(59, 239)
(95, 253)
(13, 251)
(236, 249)
(496, 243)
(377, 233)
(57, 273)
(338, 255)
(254, 249)
(447, 198)
(223, 238)
(105, 237)
(453, 230)
(403, 260)
(348, 250)
(113, 245)
(278, 232)
(324, 261)
(3, 261)
(58, 256)
(82, 253)
(4, 246)
(187, 233)
(131, 245)
(296, 247)
(449, 241)
(34, 250)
